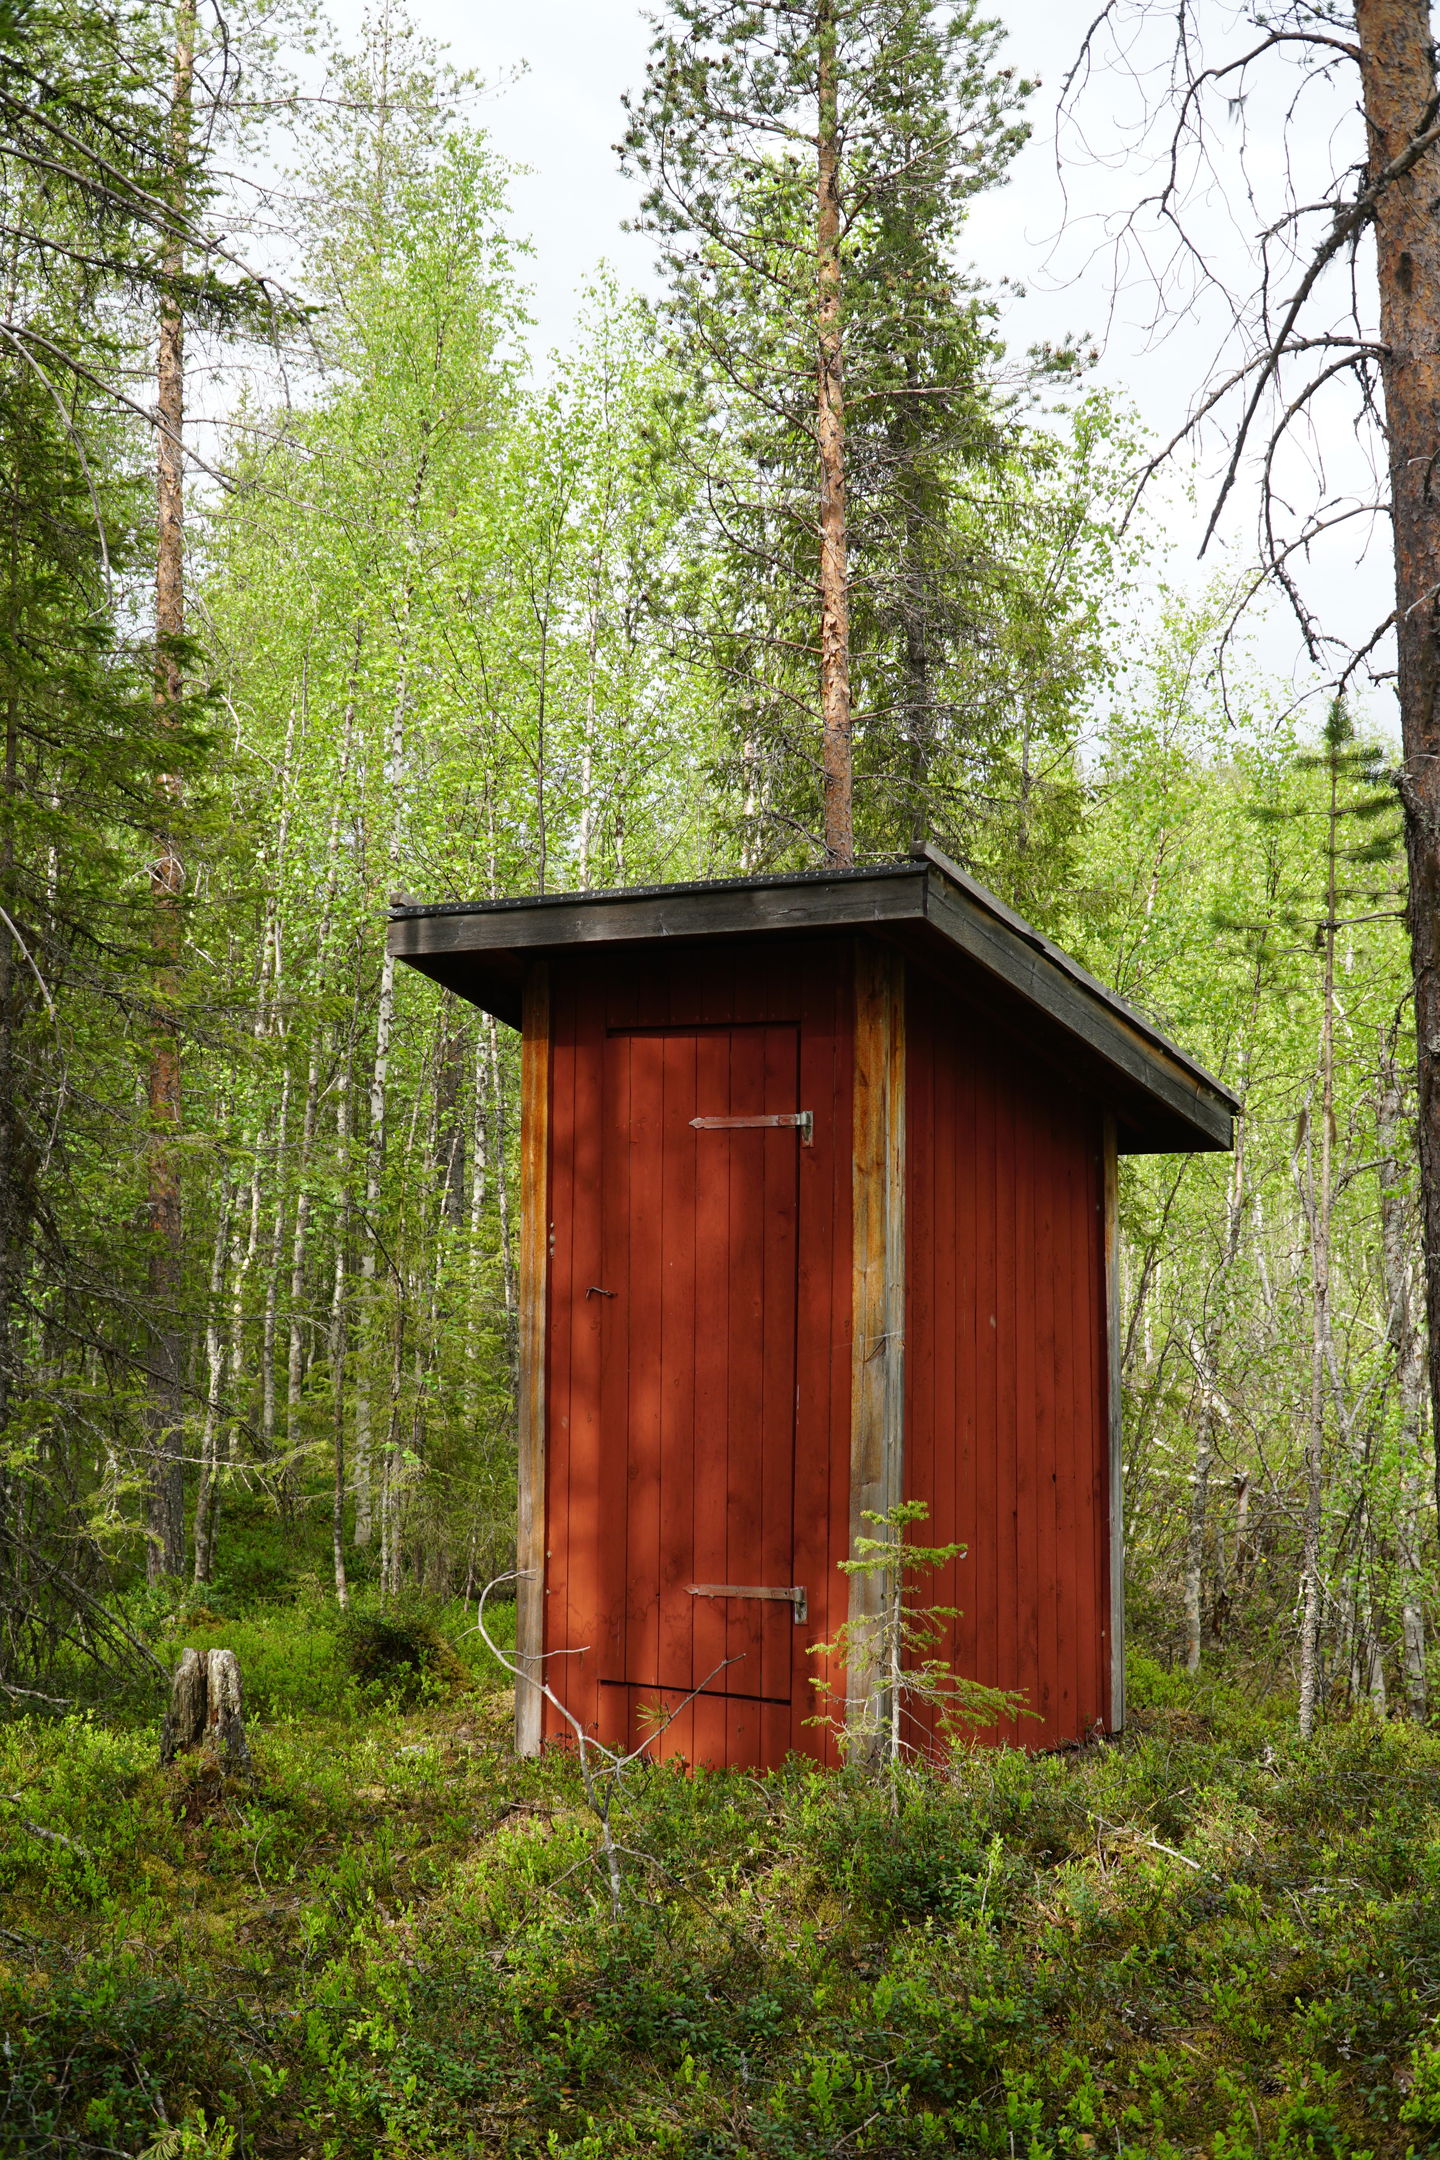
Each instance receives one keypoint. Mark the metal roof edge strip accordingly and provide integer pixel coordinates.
(407, 911)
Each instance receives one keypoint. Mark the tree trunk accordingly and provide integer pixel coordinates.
(272, 1273)
(206, 1709)
(1397, 70)
(379, 1079)
(295, 1365)
(1205, 1353)
(1198, 1511)
(165, 1553)
(295, 1361)
(1408, 1345)
(245, 1261)
(338, 1329)
(837, 749)
(502, 1184)
(1318, 1204)
(374, 1167)
(449, 1157)
(206, 1496)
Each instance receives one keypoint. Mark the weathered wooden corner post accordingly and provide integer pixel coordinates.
(819, 1186)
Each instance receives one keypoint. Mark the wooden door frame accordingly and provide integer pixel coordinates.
(1114, 1425)
(534, 1283)
(877, 1337)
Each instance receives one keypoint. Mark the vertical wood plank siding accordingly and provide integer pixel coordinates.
(630, 1512)
(1007, 1384)
(535, 1154)
(949, 1299)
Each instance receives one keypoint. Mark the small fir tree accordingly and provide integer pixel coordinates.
(894, 1675)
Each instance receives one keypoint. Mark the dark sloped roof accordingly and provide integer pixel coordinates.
(1164, 1101)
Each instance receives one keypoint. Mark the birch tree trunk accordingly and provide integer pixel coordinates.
(270, 1321)
(338, 1329)
(244, 1265)
(502, 1181)
(206, 1495)
(1205, 1353)
(374, 1165)
(1318, 1204)
(295, 1364)
(166, 1411)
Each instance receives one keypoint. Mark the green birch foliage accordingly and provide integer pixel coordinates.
(431, 603)
(1203, 894)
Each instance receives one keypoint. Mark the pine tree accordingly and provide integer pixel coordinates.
(806, 171)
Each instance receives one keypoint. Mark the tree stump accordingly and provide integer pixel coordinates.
(206, 1710)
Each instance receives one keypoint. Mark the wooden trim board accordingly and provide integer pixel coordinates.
(1116, 1429)
(877, 1340)
(534, 1275)
(1167, 1100)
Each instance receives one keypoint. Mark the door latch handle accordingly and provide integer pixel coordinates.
(793, 1594)
(803, 1122)
(596, 1291)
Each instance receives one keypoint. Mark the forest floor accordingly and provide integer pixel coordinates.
(394, 1938)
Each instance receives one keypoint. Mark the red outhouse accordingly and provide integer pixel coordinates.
(818, 1201)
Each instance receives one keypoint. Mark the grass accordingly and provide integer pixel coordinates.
(395, 1940)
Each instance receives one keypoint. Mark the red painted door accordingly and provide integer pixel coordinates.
(697, 1380)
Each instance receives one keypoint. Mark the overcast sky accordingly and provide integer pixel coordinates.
(562, 116)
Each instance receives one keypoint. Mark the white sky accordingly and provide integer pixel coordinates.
(563, 116)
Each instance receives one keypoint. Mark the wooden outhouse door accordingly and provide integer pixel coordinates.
(702, 1132)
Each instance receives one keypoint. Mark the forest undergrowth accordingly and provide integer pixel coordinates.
(395, 1937)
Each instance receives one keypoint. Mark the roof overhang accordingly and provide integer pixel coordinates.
(1163, 1101)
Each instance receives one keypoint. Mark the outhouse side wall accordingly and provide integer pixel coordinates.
(1006, 1366)
(807, 983)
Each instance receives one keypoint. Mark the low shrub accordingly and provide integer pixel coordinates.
(401, 1652)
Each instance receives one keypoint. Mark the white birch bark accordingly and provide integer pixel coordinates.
(206, 1491)
(375, 1153)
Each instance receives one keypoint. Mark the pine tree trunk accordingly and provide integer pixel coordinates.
(835, 715)
(1408, 1345)
(165, 1554)
(1397, 69)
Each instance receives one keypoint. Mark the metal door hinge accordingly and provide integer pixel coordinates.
(793, 1594)
(802, 1120)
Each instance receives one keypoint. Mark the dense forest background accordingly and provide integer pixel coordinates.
(458, 622)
